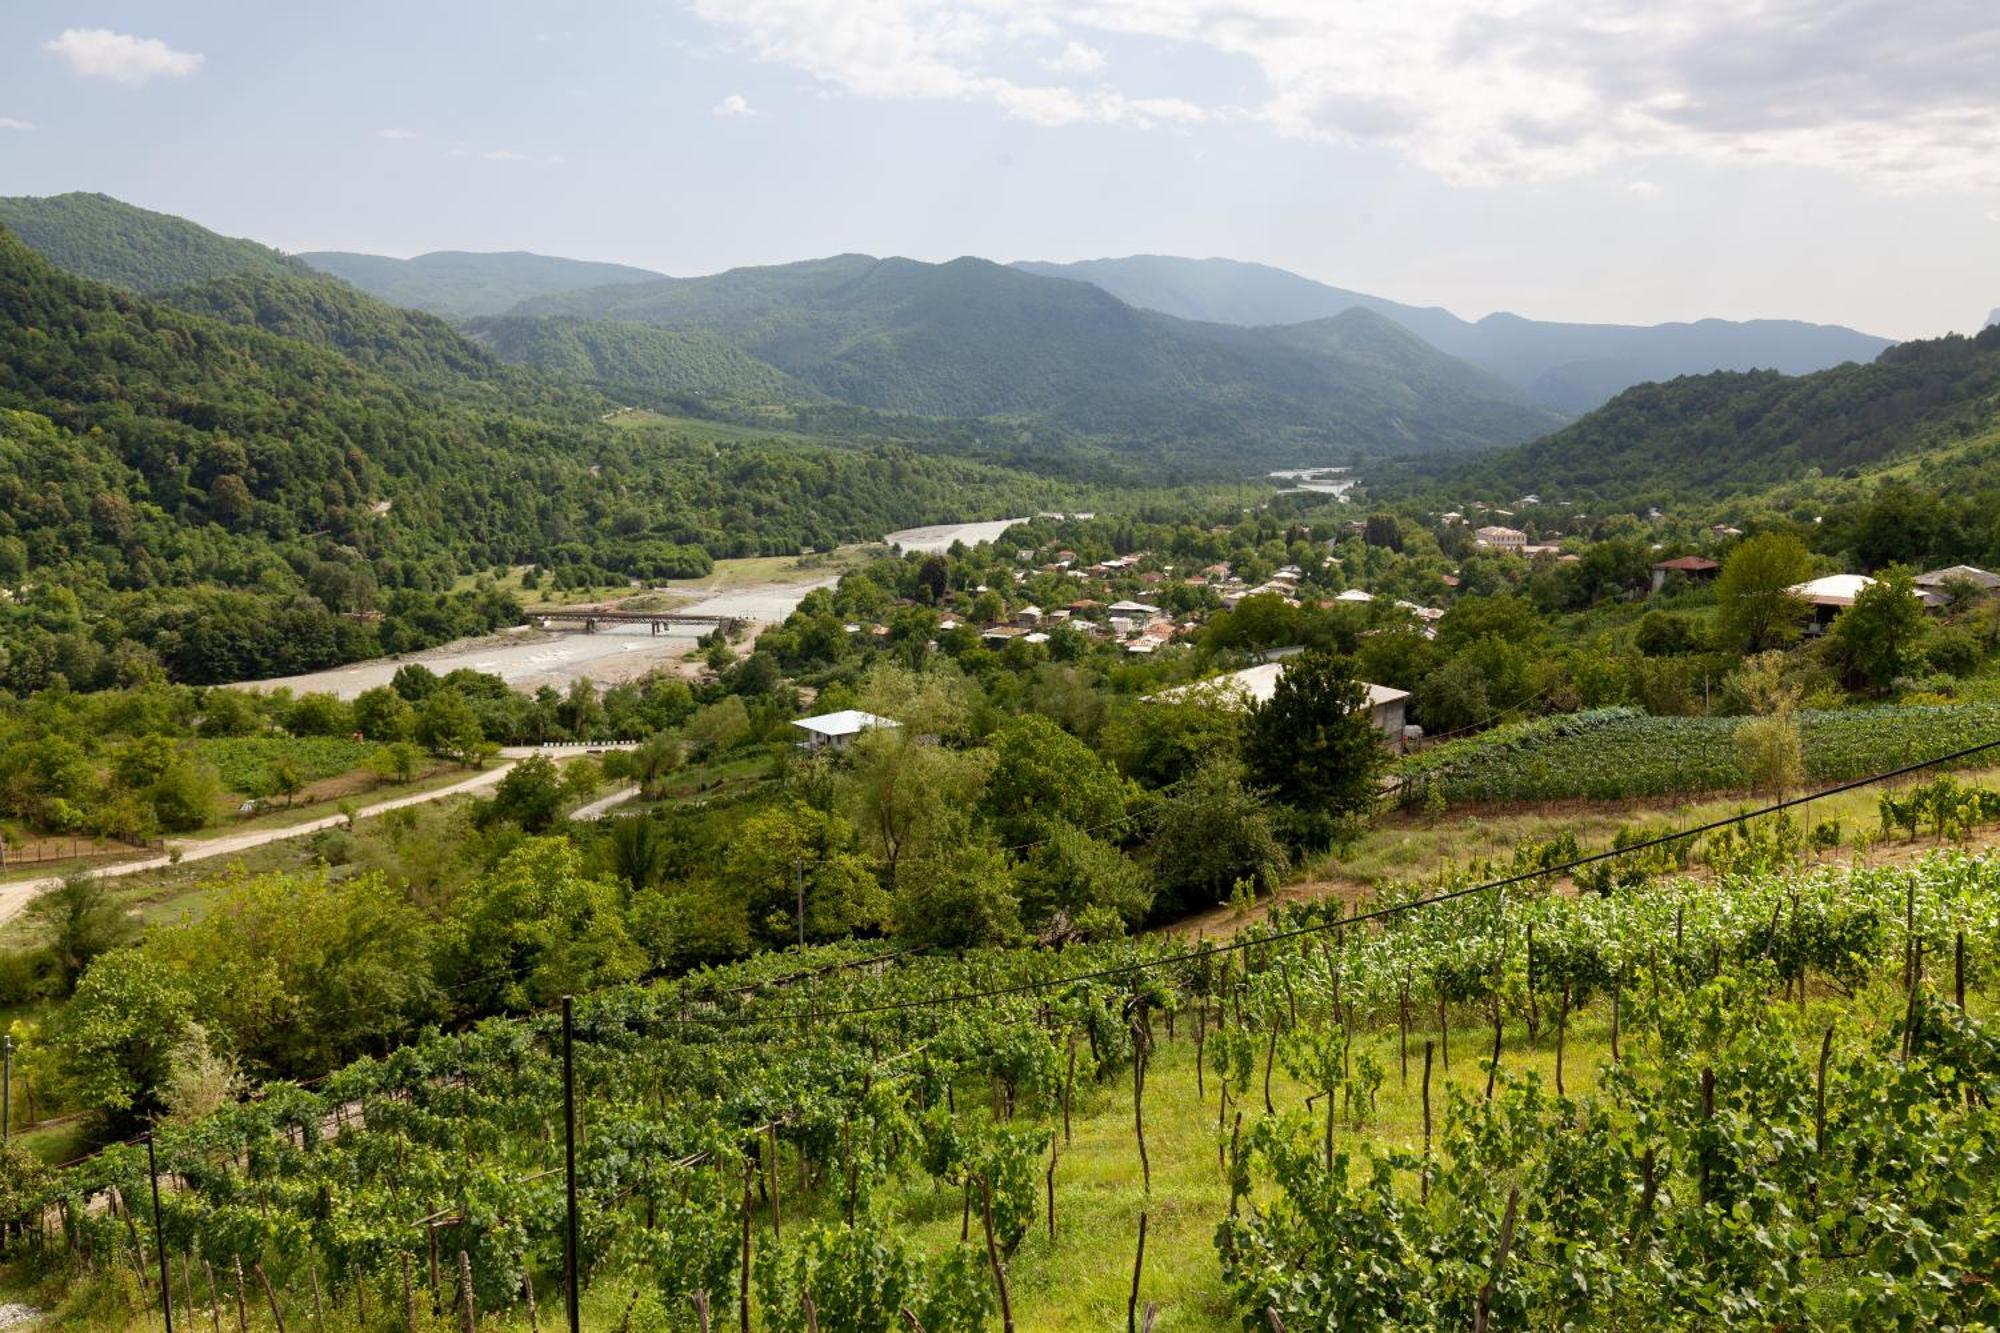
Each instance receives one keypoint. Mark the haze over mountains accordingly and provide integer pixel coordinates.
(1570, 367)
(1215, 364)
(459, 284)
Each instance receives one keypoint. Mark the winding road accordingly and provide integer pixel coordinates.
(16, 895)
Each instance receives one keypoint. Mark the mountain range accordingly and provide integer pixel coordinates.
(1212, 364)
(1570, 367)
(459, 284)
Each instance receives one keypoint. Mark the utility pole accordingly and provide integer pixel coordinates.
(799, 879)
(6, 1087)
(160, 1238)
(569, 1164)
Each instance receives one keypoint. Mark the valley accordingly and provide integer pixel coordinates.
(1419, 822)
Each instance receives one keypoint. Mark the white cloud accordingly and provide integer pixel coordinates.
(1644, 189)
(397, 134)
(1076, 58)
(1993, 215)
(503, 155)
(9, 123)
(99, 53)
(1895, 91)
(736, 104)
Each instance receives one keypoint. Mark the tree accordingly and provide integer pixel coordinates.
(1880, 637)
(1163, 739)
(1209, 835)
(535, 929)
(284, 778)
(530, 796)
(80, 921)
(792, 849)
(1769, 748)
(117, 1038)
(960, 896)
(718, 728)
(1314, 744)
(1043, 776)
(396, 761)
(381, 714)
(447, 726)
(1753, 609)
(1072, 883)
(903, 793)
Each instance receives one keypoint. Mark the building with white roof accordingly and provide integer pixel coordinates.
(838, 730)
(1240, 689)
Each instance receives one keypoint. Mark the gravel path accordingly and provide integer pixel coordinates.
(16, 895)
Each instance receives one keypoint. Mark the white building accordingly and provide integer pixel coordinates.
(1239, 689)
(837, 731)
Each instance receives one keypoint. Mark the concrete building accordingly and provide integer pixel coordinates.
(1497, 538)
(1386, 706)
(836, 731)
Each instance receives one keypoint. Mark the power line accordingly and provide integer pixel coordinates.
(1359, 918)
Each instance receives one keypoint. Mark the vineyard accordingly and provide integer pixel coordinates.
(1618, 753)
(1766, 1099)
(245, 763)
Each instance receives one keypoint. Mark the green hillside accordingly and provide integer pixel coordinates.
(459, 285)
(635, 362)
(1712, 435)
(972, 339)
(217, 499)
(98, 237)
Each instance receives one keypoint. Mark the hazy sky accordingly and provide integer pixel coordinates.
(1633, 160)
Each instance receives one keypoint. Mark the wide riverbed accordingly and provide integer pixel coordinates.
(529, 658)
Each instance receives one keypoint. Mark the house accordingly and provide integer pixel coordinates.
(1239, 689)
(1690, 567)
(836, 731)
(1133, 609)
(1941, 580)
(1830, 595)
(1354, 595)
(999, 636)
(1498, 538)
(1028, 617)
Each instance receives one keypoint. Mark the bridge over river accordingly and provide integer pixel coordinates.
(591, 619)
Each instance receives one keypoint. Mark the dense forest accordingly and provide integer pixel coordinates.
(223, 500)
(1706, 436)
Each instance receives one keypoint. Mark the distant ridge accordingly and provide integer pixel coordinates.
(1570, 367)
(460, 284)
(107, 240)
(971, 338)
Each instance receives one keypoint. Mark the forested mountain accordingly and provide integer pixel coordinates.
(459, 284)
(1993, 318)
(1708, 435)
(108, 240)
(219, 499)
(1571, 367)
(971, 338)
(637, 363)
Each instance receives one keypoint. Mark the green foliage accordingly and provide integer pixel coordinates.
(1617, 753)
(99, 237)
(1879, 638)
(1314, 745)
(1754, 612)
(537, 928)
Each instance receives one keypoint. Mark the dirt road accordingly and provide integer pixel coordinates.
(16, 895)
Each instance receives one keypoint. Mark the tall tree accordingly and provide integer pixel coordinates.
(1754, 611)
(1313, 743)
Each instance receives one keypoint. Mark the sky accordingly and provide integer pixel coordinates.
(1619, 160)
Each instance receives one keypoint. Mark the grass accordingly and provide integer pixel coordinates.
(1410, 845)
